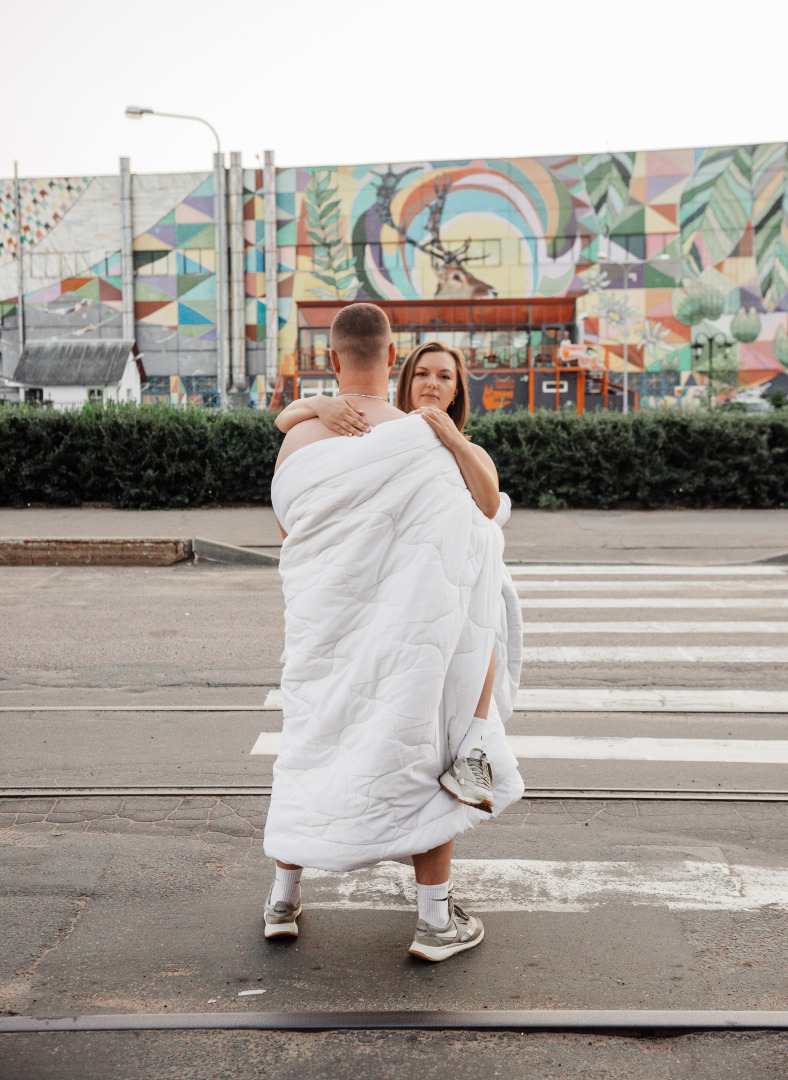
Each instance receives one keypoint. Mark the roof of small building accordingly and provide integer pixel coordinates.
(73, 363)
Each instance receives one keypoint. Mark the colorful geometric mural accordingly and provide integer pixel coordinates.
(677, 259)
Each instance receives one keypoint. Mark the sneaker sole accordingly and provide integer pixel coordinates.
(436, 953)
(288, 929)
(486, 804)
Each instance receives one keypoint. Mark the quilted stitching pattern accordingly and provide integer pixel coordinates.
(392, 581)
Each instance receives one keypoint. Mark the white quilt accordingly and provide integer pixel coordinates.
(393, 587)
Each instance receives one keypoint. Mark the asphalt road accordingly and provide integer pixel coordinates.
(154, 904)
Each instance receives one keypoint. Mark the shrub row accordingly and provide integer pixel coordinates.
(152, 457)
(135, 457)
(649, 460)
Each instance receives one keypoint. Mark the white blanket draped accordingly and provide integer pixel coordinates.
(393, 587)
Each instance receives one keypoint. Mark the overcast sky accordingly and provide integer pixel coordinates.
(345, 81)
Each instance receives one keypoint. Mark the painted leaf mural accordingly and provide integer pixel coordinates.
(770, 219)
(607, 178)
(716, 204)
(331, 263)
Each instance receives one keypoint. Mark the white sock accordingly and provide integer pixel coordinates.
(434, 903)
(287, 886)
(473, 737)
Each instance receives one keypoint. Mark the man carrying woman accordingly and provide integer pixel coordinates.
(392, 742)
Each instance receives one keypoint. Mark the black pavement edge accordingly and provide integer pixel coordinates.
(596, 1021)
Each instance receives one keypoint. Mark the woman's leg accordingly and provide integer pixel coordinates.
(486, 696)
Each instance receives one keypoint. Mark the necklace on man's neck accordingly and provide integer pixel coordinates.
(350, 393)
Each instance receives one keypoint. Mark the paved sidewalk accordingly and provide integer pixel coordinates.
(595, 536)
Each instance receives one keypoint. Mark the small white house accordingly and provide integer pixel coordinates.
(67, 374)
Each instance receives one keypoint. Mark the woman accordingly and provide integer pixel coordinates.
(433, 383)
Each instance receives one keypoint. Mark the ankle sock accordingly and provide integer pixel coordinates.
(473, 737)
(434, 903)
(287, 886)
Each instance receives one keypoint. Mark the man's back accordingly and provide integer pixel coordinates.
(310, 431)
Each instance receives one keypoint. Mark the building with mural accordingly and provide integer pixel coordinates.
(555, 274)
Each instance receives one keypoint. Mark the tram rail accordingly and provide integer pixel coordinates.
(666, 1023)
(264, 791)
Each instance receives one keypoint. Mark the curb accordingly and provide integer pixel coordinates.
(109, 552)
(229, 555)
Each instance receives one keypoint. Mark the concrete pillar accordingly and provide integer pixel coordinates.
(127, 250)
(239, 382)
(20, 270)
(271, 265)
(222, 292)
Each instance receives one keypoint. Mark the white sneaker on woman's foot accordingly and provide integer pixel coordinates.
(440, 942)
(470, 780)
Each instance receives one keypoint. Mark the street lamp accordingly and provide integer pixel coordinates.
(711, 341)
(134, 112)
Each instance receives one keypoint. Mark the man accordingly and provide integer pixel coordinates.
(391, 577)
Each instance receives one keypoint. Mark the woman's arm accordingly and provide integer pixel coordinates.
(336, 413)
(477, 467)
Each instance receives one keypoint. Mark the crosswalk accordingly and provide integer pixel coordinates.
(670, 624)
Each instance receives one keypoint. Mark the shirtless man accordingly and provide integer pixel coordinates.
(363, 355)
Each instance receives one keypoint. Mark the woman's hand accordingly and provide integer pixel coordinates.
(340, 416)
(443, 426)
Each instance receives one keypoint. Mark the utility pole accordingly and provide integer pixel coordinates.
(271, 264)
(20, 272)
(222, 298)
(126, 251)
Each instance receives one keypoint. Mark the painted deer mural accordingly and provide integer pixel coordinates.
(455, 280)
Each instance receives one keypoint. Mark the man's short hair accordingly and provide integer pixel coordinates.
(360, 333)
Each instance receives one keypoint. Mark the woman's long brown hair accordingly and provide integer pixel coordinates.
(461, 406)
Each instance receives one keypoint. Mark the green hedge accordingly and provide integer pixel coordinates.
(649, 460)
(135, 457)
(152, 457)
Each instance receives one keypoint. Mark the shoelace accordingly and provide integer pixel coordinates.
(480, 771)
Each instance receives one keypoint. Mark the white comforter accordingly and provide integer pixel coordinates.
(393, 585)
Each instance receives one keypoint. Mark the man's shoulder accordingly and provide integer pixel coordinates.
(308, 431)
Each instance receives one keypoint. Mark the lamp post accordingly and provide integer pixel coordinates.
(711, 340)
(135, 112)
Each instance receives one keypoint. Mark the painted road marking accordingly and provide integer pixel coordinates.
(656, 627)
(681, 884)
(614, 699)
(664, 654)
(534, 585)
(592, 603)
(577, 748)
(581, 748)
(573, 569)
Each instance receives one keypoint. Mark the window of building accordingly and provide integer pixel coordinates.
(34, 395)
(487, 252)
(95, 395)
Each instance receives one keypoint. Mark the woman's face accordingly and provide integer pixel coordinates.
(434, 381)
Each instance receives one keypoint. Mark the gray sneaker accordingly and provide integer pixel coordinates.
(470, 780)
(439, 943)
(280, 919)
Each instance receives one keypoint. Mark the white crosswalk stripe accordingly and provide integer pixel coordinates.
(575, 748)
(645, 570)
(663, 654)
(615, 699)
(683, 586)
(755, 603)
(652, 626)
(487, 885)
